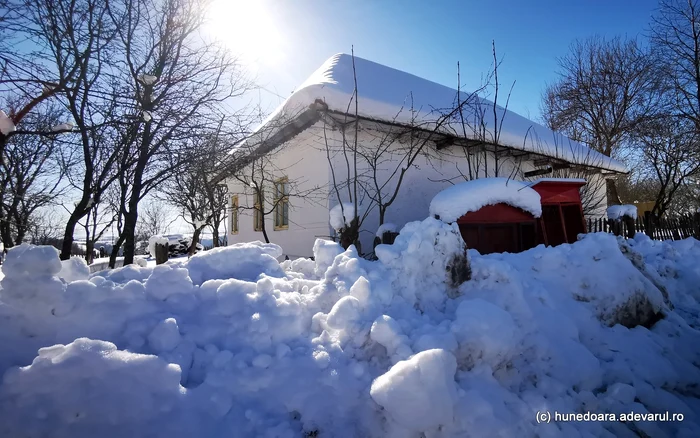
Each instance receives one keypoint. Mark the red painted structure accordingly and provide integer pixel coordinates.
(498, 228)
(503, 228)
(562, 214)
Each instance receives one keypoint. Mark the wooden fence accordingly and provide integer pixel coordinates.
(673, 228)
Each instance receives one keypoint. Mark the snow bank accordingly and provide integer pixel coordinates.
(74, 269)
(419, 394)
(90, 385)
(430, 257)
(617, 212)
(343, 346)
(245, 261)
(460, 199)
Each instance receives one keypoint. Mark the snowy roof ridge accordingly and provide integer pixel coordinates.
(388, 94)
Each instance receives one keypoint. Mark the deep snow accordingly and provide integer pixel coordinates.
(233, 343)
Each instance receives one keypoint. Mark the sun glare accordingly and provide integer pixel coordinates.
(247, 28)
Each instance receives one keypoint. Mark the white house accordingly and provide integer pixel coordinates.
(327, 144)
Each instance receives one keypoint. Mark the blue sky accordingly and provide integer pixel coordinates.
(291, 38)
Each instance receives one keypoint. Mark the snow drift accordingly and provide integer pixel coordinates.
(341, 346)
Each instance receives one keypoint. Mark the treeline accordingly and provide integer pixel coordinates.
(109, 102)
(638, 100)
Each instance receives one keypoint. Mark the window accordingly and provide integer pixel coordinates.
(258, 210)
(234, 214)
(281, 204)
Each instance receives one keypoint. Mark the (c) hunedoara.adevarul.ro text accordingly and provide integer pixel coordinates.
(548, 417)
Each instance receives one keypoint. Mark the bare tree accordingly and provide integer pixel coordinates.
(177, 81)
(670, 157)
(675, 37)
(44, 227)
(153, 219)
(26, 71)
(73, 43)
(195, 191)
(30, 175)
(605, 90)
(98, 220)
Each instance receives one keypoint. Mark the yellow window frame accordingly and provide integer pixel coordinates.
(258, 216)
(234, 214)
(282, 203)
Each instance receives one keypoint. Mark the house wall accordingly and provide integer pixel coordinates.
(305, 167)
(305, 159)
(430, 173)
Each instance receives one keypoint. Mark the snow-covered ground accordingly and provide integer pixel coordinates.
(233, 343)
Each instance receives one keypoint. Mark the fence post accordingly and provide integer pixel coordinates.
(162, 252)
(649, 224)
(615, 226)
(629, 224)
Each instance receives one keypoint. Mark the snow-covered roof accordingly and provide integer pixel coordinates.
(387, 94)
(460, 199)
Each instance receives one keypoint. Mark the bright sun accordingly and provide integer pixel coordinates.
(248, 29)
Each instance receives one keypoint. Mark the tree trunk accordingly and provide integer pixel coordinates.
(129, 234)
(6, 234)
(351, 236)
(89, 251)
(611, 192)
(195, 241)
(21, 233)
(115, 251)
(67, 244)
(215, 236)
(264, 231)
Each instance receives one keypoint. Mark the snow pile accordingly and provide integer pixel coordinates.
(74, 269)
(90, 385)
(386, 228)
(617, 212)
(343, 346)
(245, 261)
(6, 124)
(156, 240)
(419, 394)
(426, 254)
(460, 199)
(673, 264)
(342, 215)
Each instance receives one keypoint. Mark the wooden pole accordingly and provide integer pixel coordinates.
(162, 252)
